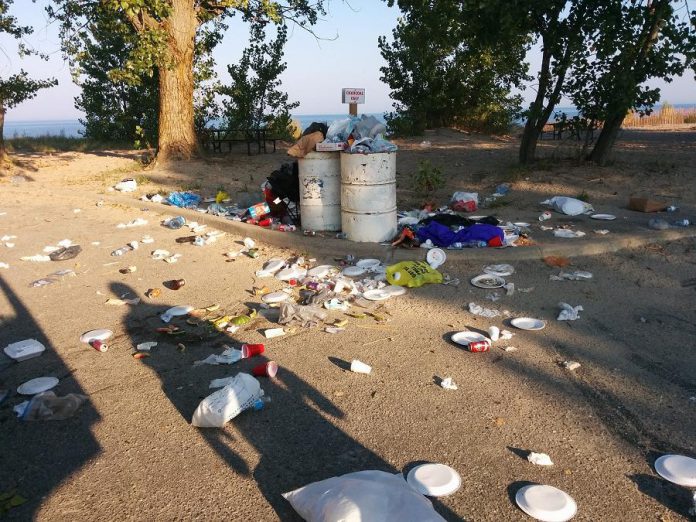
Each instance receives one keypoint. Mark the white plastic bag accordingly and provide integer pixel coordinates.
(569, 206)
(216, 409)
(363, 496)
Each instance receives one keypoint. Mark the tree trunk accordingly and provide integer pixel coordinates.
(530, 136)
(3, 151)
(607, 138)
(177, 135)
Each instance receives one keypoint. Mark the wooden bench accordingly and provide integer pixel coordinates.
(214, 139)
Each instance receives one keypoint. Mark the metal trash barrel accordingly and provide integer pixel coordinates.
(320, 191)
(368, 196)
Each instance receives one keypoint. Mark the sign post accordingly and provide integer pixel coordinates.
(353, 96)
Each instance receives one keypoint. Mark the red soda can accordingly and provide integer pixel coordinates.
(98, 345)
(480, 346)
(266, 222)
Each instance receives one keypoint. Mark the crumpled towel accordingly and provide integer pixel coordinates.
(443, 236)
(569, 313)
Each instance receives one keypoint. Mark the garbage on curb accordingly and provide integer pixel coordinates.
(540, 459)
(568, 234)
(647, 205)
(448, 384)
(569, 206)
(357, 366)
(658, 224)
(384, 496)
(47, 406)
(242, 393)
(576, 275)
(183, 199)
(483, 312)
(569, 313)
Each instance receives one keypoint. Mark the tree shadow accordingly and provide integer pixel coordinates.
(37, 456)
(673, 497)
(296, 441)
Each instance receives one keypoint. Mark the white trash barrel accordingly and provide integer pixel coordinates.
(368, 196)
(320, 191)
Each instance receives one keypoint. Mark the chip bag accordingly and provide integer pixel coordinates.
(412, 274)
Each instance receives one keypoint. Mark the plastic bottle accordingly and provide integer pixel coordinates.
(121, 251)
(682, 223)
(176, 223)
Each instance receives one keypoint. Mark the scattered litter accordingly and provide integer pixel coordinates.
(241, 393)
(270, 333)
(128, 269)
(360, 367)
(577, 275)
(506, 335)
(540, 459)
(571, 365)
(568, 234)
(493, 296)
(448, 384)
(526, 290)
(334, 330)
(175, 311)
(183, 199)
(509, 349)
(135, 223)
(494, 333)
(42, 282)
(483, 312)
(337, 304)
(545, 216)
(126, 185)
(509, 288)
(412, 274)
(4, 265)
(647, 205)
(121, 302)
(601, 231)
(47, 406)
(569, 206)
(503, 270)
(23, 350)
(38, 258)
(569, 313)
(658, 224)
(146, 347)
(249, 243)
(229, 356)
(153, 293)
(147, 240)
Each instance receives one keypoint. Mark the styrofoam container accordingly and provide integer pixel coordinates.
(23, 350)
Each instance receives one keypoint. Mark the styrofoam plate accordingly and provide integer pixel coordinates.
(353, 271)
(376, 294)
(488, 281)
(434, 480)
(293, 272)
(499, 270)
(394, 291)
(368, 264)
(101, 334)
(466, 337)
(273, 265)
(546, 503)
(275, 297)
(528, 323)
(436, 257)
(23, 350)
(320, 271)
(678, 469)
(38, 385)
(603, 217)
(522, 224)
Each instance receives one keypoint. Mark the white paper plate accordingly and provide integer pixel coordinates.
(100, 335)
(23, 350)
(522, 224)
(394, 291)
(434, 480)
(368, 264)
(293, 272)
(436, 257)
(376, 294)
(499, 270)
(546, 503)
(528, 323)
(353, 271)
(275, 297)
(320, 271)
(603, 217)
(464, 338)
(678, 469)
(488, 281)
(273, 265)
(38, 385)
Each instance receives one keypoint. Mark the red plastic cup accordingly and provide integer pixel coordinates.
(267, 369)
(251, 350)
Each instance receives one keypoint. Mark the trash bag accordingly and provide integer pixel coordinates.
(217, 408)
(569, 206)
(412, 274)
(363, 496)
(285, 182)
(464, 201)
(316, 126)
(184, 199)
(339, 130)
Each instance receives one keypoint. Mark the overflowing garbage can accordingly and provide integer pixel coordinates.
(320, 191)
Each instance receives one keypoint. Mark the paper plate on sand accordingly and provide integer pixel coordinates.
(100, 335)
(499, 270)
(379, 294)
(319, 271)
(678, 469)
(603, 217)
(528, 323)
(368, 264)
(546, 503)
(464, 338)
(488, 281)
(522, 224)
(294, 272)
(353, 271)
(38, 385)
(275, 297)
(434, 480)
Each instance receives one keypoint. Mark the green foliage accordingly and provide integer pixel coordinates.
(444, 71)
(255, 100)
(427, 179)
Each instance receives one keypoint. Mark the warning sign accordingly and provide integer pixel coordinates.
(353, 95)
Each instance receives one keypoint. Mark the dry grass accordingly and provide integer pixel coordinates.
(667, 115)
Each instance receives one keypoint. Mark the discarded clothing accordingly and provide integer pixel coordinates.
(443, 236)
(305, 145)
(455, 220)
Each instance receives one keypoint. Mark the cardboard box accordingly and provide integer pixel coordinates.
(330, 147)
(646, 205)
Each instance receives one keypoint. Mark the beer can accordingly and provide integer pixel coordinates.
(253, 252)
(480, 346)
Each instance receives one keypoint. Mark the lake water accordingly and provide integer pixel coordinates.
(73, 128)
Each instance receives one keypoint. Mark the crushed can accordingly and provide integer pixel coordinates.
(480, 346)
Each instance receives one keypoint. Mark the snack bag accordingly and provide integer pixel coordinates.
(412, 274)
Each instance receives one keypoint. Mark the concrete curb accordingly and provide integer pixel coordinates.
(329, 246)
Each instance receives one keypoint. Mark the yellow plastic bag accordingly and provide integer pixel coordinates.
(412, 274)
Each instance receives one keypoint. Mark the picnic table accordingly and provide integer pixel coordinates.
(214, 139)
(578, 129)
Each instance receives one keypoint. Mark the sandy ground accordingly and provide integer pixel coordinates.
(131, 453)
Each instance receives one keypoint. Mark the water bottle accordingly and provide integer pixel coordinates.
(176, 223)
(121, 251)
(682, 223)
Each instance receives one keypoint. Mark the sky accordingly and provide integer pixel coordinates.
(345, 55)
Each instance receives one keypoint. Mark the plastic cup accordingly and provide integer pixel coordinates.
(252, 350)
(267, 369)
(359, 367)
(494, 333)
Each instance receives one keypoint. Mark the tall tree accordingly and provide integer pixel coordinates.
(18, 87)
(166, 31)
(628, 43)
(255, 98)
(443, 70)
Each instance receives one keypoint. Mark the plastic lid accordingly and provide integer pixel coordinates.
(546, 503)
(678, 469)
(435, 257)
(434, 480)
